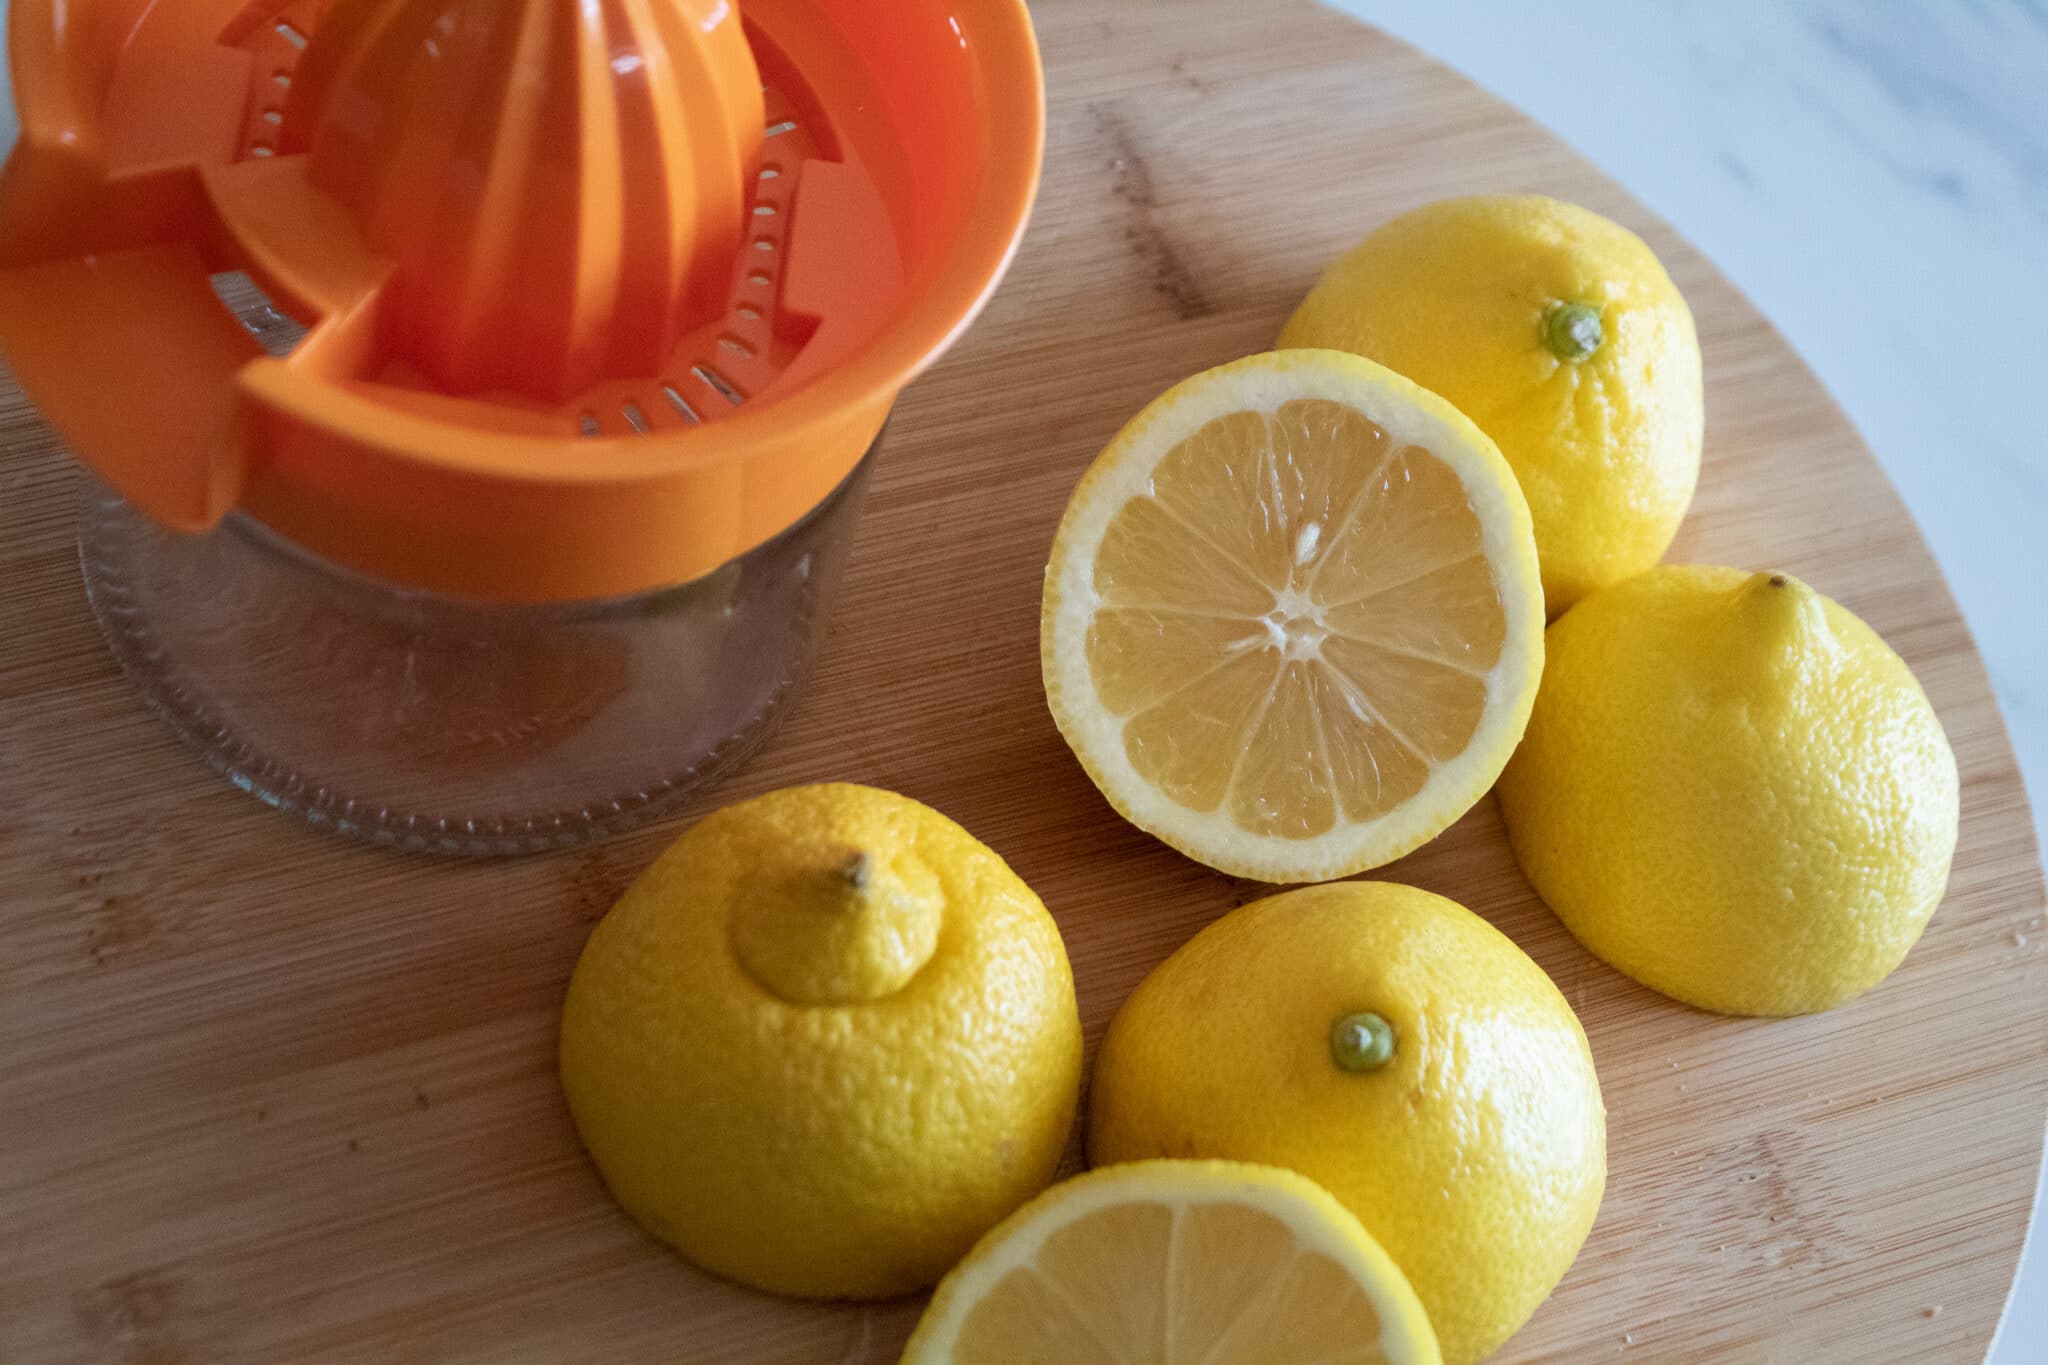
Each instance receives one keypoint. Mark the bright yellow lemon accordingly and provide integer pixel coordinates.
(1734, 791)
(1560, 334)
(824, 1043)
(1398, 1050)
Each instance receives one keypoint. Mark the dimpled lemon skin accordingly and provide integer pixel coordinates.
(1476, 1154)
(1457, 296)
(1733, 791)
(855, 1142)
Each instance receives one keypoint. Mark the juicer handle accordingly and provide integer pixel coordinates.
(133, 359)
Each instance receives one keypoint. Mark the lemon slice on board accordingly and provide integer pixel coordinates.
(1293, 623)
(1174, 1263)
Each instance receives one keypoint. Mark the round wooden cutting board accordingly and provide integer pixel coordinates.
(266, 1095)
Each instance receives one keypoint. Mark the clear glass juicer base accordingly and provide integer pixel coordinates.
(429, 723)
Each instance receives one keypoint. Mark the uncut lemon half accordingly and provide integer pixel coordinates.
(1293, 623)
(824, 1042)
(1176, 1263)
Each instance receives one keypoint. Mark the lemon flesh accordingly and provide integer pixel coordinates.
(1733, 791)
(1176, 1263)
(1474, 1151)
(1292, 619)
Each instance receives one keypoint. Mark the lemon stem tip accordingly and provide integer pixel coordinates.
(1572, 331)
(1774, 586)
(1361, 1042)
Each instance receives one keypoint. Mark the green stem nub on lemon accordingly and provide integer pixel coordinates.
(1572, 331)
(1361, 1042)
(1562, 336)
(1475, 1150)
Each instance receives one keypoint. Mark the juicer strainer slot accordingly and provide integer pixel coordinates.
(673, 411)
(274, 34)
(724, 387)
(680, 403)
(276, 332)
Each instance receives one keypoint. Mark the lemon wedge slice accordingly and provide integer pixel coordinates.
(1175, 1263)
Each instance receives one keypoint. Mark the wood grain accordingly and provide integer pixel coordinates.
(266, 1095)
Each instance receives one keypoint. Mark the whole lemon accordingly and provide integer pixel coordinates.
(1402, 1053)
(824, 1043)
(1733, 790)
(1560, 335)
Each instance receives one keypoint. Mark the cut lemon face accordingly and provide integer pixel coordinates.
(1176, 1263)
(1293, 623)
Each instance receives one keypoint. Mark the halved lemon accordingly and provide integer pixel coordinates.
(1293, 623)
(1176, 1263)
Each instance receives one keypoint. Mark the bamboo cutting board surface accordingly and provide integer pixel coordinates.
(266, 1095)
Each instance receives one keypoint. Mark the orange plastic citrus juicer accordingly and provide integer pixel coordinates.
(598, 296)
(600, 293)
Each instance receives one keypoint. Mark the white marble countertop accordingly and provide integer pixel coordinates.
(1875, 177)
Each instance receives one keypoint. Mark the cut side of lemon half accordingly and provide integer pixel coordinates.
(1176, 1263)
(1293, 624)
